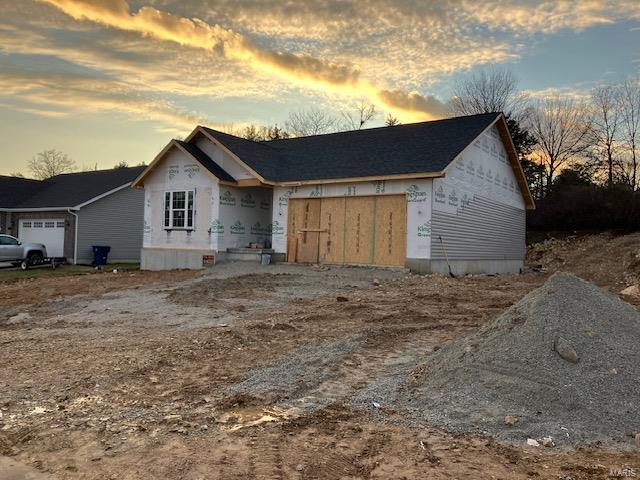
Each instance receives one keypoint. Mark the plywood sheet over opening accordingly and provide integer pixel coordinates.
(304, 227)
(368, 230)
(332, 226)
(390, 230)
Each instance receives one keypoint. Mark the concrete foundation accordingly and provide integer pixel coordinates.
(464, 267)
(172, 259)
(278, 257)
(244, 255)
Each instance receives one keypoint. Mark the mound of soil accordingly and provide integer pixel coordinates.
(608, 260)
(563, 362)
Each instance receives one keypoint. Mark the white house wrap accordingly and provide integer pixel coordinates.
(428, 196)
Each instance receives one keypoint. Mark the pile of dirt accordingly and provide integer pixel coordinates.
(563, 362)
(608, 260)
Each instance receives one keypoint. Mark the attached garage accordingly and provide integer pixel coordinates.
(369, 230)
(48, 231)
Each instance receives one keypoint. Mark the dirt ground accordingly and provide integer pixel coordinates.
(249, 371)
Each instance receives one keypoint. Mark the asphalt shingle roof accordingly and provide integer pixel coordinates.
(426, 147)
(71, 189)
(206, 161)
(14, 190)
(260, 156)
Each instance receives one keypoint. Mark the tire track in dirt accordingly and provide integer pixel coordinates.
(265, 459)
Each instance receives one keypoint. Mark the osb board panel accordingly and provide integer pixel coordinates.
(359, 230)
(292, 249)
(354, 230)
(304, 215)
(391, 230)
(332, 221)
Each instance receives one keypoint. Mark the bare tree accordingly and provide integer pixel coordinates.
(492, 90)
(629, 98)
(89, 168)
(364, 113)
(121, 164)
(50, 163)
(605, 123)
(310, 121)
(561, 129)
(391, 120)
(262, 133)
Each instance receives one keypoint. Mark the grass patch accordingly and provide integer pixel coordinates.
(44, 271)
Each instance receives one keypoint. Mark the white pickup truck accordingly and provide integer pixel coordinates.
(21, 254)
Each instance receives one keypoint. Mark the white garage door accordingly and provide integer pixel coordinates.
(48, 231)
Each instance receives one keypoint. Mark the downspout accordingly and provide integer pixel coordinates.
(75, 237)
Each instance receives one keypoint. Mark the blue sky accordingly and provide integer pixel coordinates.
(109, 80)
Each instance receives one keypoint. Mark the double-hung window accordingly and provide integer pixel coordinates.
(178, 210)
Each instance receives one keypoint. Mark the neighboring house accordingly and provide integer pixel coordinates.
(420, 195)
(70, 213)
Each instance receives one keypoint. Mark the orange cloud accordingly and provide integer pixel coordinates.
(300, 69)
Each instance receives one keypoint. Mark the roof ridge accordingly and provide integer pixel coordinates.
(95, 171)
(266, 143)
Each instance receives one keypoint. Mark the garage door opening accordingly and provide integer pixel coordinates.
(368, 230)
(50, 232)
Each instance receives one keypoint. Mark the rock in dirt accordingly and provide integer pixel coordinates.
(566, 350)
(548, 442)
(516, 368)
(532, 442)
(632, 291)
(510, 420)
(340, 298)
(172, 419)
(19, 318)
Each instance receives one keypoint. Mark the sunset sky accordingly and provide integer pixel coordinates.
(109, 80)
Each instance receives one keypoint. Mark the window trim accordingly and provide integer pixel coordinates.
(167, 202)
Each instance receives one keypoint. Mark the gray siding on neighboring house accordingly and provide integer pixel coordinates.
(116, 220)
(483, 230)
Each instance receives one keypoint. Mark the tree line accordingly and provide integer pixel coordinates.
(579, 152)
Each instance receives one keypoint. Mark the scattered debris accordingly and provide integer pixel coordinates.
(548, 442)
(510, 420)
(172, 418)
(632, 291)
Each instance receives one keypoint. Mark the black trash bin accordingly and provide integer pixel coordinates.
(100, 254)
